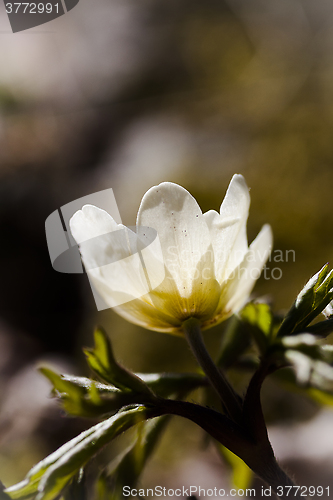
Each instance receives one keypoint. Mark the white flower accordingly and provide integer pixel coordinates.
(209, 269)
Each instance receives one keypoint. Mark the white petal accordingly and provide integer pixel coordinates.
(182, 230)
(242, 281)
(164, 309)
(120, 281)
(228, 229)
(109, 254)
(237, 199)
(145, 315)
(113, 293)
(223, 232)
(90, 222)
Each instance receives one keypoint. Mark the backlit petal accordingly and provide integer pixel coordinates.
(228, 229)
(182, 230)
(109, 253)
(179, 263)
(91, 222)
(243, 278)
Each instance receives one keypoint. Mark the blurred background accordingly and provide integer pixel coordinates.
(125, 95)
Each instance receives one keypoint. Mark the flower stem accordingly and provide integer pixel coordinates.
(230, 400)
(258, 456)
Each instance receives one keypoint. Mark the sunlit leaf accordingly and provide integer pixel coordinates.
(104, 487)
(73, 396)
(81, 396)
(128, 466)
(49, 477)
(287, 378)
(305, 343)
(310, 371)
(260, 319)
(311, 361)
(311, 301)
(102, 361)
(163, 384)
(129, 469)
(321, 397)
(166, 384)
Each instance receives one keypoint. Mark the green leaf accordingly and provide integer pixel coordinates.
(305, 343)
(104, 487)
(312, 362)
(127, 468)
(102, 361)
(258, 314)
(73, 396)
(242, 475)
(321, 397)
(81, 396)
(130, 467)
(311, 301)
(167, 384)
(287, 378)
(260, 319)
(310, 371)
(49, 477)
(164, 384)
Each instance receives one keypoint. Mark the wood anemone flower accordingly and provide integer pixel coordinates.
(199, 266)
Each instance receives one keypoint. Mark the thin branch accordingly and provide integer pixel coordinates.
(259, 456)
(230, 400)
